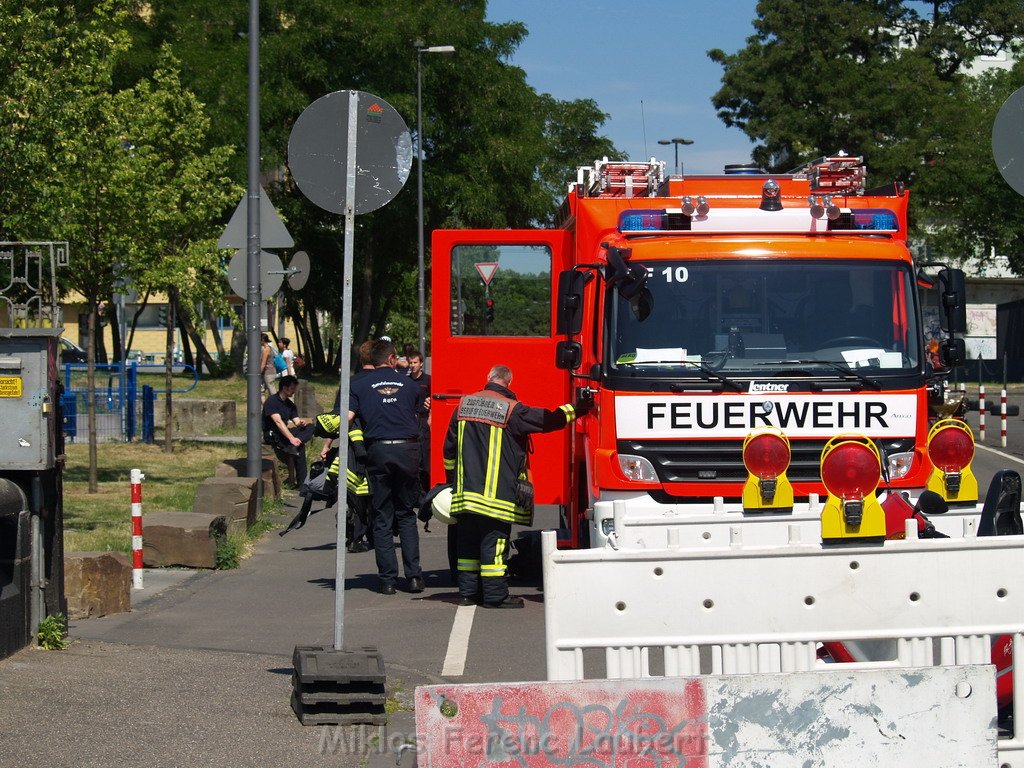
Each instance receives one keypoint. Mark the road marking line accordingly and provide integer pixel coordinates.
(458, 642)
(1000, 453)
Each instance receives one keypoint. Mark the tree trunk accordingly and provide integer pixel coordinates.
(218, 339)
(169, 373)
(135, 320)
(90, 390)
(115, 333)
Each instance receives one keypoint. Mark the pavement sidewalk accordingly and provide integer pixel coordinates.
(199, 673)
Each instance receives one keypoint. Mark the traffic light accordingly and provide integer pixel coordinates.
(489, 310)
(161, 314)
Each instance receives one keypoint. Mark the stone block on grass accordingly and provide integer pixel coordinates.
(97, 584)
(233, 497)
(187, 539)
(239, 468)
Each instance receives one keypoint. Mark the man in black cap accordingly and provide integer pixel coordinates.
(387, 402)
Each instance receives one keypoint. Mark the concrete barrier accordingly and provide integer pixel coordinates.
(97, 584)
(239, 467)
(182, 538)
(233, 497)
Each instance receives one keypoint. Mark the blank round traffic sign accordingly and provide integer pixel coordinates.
(318, 152)
(271, 274)
(300, 263)
(1008, 140)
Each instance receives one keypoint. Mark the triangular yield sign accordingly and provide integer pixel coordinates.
(487, 270)
(273, 233)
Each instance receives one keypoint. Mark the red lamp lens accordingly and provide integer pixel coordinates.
(766, 456)
(850, 471)
(951, 449)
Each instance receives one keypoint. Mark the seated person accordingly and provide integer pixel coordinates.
(286, 432)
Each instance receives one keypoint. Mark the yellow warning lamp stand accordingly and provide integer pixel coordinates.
(766, 456)
(851, 468)
(951, 450)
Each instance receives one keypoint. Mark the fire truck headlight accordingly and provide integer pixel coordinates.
(637, 468)
(608, 526)
(900, 464)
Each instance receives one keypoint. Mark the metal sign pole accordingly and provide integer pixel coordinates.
(254, 411)
(346, 366)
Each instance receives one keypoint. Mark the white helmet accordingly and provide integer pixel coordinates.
(442, 507)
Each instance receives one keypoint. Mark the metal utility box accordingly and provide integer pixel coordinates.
(28, 402)
(31, 488)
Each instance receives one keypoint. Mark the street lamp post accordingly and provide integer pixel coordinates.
(677, 142)
(420, 50)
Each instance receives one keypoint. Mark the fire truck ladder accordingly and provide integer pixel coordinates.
(613, 178)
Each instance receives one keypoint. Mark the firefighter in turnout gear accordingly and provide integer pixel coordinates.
(324, 486)
(485, 461)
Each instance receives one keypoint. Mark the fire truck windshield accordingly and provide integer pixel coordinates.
(759, 317)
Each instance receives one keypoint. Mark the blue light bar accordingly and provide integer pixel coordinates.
(867, 220)
(641, 220)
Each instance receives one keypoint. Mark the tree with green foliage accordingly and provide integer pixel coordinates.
(126, 177)
(880, 78)
(497, 152)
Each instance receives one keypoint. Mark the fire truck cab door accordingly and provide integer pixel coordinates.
(494, 300)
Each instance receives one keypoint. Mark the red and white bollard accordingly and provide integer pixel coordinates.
(137, 478)
(1002, 418)
(981, 413)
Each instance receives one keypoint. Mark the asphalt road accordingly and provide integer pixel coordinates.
(199, 672)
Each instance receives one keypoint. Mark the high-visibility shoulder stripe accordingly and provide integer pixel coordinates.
(493, 461)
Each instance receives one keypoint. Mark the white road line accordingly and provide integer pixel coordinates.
(1000, 453)
(458, 642)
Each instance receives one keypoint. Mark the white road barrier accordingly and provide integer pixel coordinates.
(643, 613)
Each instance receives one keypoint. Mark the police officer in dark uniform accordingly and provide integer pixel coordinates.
(485, 461)
(387, 401)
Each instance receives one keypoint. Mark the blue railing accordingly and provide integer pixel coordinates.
(115, 399)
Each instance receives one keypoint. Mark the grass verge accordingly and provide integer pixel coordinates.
(102, 521)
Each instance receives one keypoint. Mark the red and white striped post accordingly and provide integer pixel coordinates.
(1002, 418)
(981, 412)
(137, 478)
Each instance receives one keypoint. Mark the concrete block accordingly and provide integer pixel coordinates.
(238, 468)
(305, 400)
(233, 497)
(192, 417)
(182, 538)
(97, 584)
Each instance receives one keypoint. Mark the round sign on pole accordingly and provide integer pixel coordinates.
(300, 265)
(1008, 140)
(318, 152)
(271, 273)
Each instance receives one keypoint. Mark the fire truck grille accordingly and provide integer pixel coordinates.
(718, 461)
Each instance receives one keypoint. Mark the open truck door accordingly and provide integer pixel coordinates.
(494, 302)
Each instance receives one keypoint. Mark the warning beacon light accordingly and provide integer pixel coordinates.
(851, 468)
(951, 450)
(766, 456)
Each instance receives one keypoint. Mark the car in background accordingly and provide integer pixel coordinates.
(71, 352)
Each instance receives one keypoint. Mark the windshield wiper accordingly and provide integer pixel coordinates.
(735, 386)
(708, 372)
(845, 370)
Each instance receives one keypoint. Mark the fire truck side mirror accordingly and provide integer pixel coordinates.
(953, 285)
(570, 302)
(568, 355)
(952, 352)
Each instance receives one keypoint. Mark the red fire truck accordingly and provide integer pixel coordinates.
(697, 312)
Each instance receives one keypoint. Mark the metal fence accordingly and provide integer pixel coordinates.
(123, 405)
